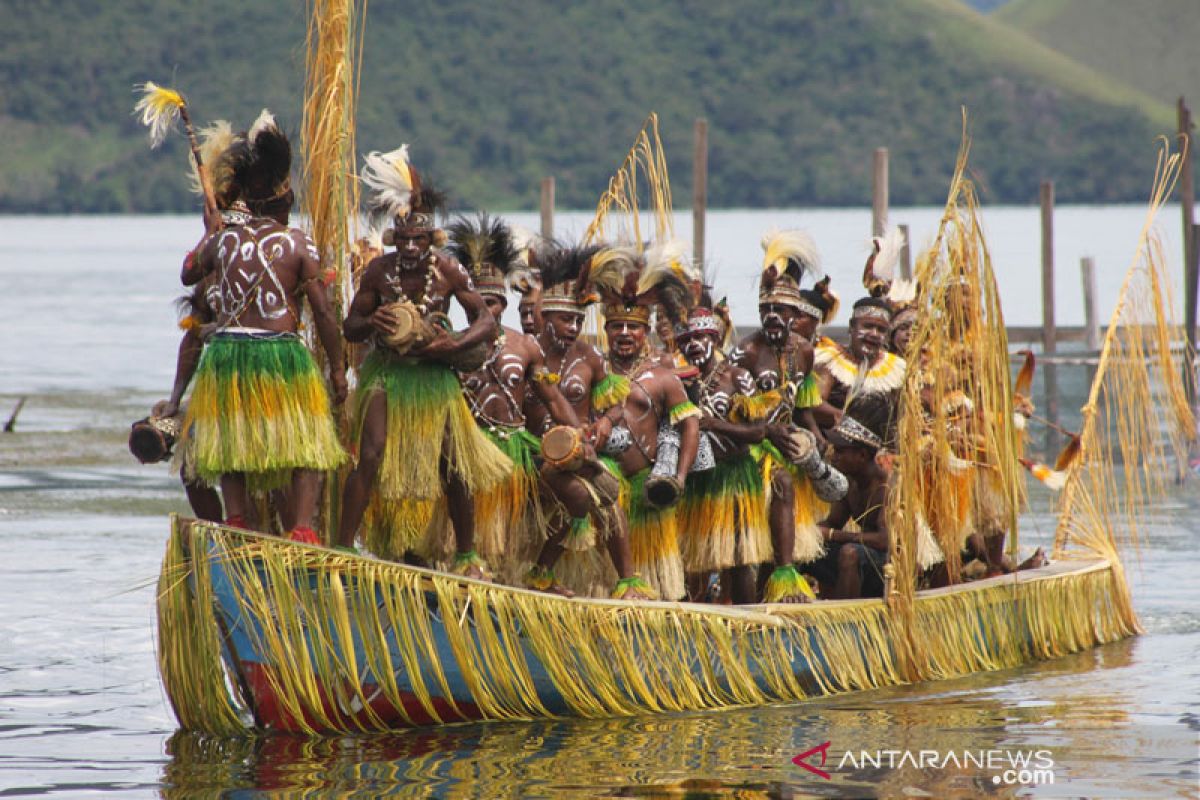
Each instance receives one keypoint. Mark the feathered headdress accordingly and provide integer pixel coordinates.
(820, 301)
(262, 162)
(390, 177)
(564, 270)
(525, 275)
(669, 280)
(879, 273)
(216, 149)
(788, 256)
(485, 247)
(398, 189)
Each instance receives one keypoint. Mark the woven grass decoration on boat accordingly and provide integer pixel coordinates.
(1137, 422)
(606, 658)
(956, 402)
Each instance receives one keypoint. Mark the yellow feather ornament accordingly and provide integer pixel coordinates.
(159, 108)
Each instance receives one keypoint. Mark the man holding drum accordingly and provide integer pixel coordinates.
(656, 412)
(585, 493)
(723, 516)
(418, 444)
(509, 518)
(781, 359)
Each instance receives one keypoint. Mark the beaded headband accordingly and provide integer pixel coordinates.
(809, 308)
(872, 311)
(699, 324)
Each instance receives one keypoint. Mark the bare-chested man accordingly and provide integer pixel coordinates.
(780, 358)
(656, 414)
(585, 495)
(259, 414)
(853, 564)
(497, 394)
(723, 517)
(864, 369)
(417, 441)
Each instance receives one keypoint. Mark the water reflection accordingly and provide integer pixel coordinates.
(745, 753)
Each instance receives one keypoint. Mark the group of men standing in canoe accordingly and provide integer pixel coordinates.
(675, 465)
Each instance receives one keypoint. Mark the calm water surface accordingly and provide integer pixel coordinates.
(87, 334)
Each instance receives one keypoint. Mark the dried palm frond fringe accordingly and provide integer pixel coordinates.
(329, 195)
(618, 214)
(310, 606)
(1137, 422)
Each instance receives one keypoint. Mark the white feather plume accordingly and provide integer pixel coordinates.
(669, 256)
(265, 120)
(902, 291)
(888, 248)
(159, 107)
(388, 175)
(779, 247)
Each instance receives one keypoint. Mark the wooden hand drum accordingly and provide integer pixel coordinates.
(412, 330)
(562, 448)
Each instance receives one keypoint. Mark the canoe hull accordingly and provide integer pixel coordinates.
(256, 631)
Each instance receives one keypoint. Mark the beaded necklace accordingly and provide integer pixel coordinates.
(502, 430)
(422, 302)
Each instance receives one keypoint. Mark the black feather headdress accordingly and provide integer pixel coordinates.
(262, 161)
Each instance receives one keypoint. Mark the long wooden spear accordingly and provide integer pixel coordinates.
(160, 107)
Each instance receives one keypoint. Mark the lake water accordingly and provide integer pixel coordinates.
(87, 333)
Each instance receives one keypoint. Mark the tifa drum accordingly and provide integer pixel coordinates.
(562, 448)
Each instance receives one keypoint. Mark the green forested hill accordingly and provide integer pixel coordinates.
(1148, 44)
(493, 96)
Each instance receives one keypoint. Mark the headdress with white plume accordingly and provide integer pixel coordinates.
(788, 256)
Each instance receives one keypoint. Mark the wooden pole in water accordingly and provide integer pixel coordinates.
(699, 189)
(1187, 202)
(1091, 329)
(548, 207)
(1049, 330)
(11, 425)
(879, 195)
(905, 256)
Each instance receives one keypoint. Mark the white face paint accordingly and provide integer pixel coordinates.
(698, 350)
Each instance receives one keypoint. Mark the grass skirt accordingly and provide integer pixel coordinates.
(808, 509)
(723, 518)
(507, 516)
(653, 544)
(427, 418)
(259, 407)
(653, 537)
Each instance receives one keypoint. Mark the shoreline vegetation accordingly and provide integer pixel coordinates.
(490, 119)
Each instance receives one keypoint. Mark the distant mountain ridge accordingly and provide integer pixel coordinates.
(492, 97)
(1149, 45)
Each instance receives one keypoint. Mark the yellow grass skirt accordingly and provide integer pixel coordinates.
(808, 509)
(723, 517)
(427, 420)
(258, 407)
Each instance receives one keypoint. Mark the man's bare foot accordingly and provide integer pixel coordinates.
(470, 565)
(558, 589)
(633, 588)
(786, 585)
(541, 579)
(1038, 559)
(475, 572)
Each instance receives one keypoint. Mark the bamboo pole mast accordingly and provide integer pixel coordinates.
(699, 190)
